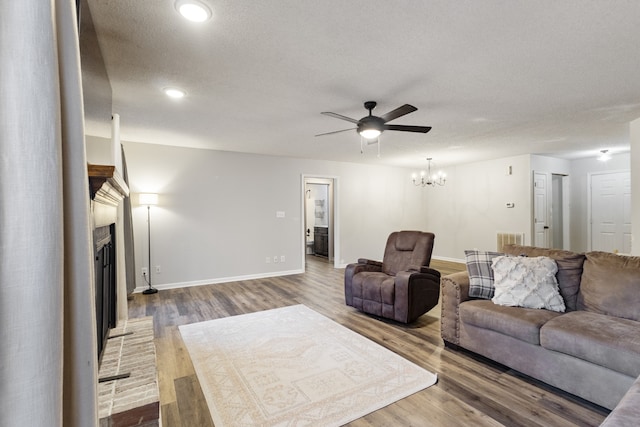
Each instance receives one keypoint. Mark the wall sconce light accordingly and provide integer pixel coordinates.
(426, 178)
(604, 155)
(148, 199)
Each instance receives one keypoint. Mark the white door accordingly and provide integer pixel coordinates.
(540, 210)
(611, 212)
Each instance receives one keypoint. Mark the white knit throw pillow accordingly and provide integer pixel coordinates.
(526, 282)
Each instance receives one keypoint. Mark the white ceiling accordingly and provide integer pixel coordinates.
(493, 78)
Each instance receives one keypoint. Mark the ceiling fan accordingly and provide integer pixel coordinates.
(370, 127)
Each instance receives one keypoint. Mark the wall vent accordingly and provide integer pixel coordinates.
(506, 238)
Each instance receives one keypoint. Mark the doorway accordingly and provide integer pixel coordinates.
(319, 217)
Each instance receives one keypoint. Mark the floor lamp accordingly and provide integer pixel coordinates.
(149, 199)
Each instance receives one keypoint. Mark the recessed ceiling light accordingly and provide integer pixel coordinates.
(194, 10)
(172, 92)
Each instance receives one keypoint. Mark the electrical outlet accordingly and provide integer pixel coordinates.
(275, 258)
(158, 271)
(144, 271)
(281, 258)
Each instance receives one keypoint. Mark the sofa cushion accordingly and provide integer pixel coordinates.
(480, 273)
(526, 282)
(569, 269)
(604, 340)
(521, 323)
(611, 285)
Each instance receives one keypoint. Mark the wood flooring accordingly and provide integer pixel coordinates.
(471, 391)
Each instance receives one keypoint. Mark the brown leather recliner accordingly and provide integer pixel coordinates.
(402, 287)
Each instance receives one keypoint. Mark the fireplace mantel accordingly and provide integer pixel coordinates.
(106, 184)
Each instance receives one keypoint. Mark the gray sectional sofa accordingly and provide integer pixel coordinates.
(627, 412)
(591, 350)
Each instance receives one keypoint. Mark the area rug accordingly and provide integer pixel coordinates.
(292, 366)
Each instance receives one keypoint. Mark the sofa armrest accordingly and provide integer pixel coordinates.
(415, 293)
(455, 290)
(627, 412)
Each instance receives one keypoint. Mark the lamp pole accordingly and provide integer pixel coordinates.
(150, 289)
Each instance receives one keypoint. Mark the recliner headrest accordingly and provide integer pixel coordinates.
(406, 241)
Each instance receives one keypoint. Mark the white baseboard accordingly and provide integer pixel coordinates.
(218, 280)
(443, 258)
(250, 277)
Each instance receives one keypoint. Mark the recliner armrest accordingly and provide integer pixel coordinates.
(416, 292)
(369, 262)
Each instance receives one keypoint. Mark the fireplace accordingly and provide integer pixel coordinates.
(108, 190)
(106, 285)
(128, 391)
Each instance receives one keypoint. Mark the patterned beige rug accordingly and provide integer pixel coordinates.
(292, 366)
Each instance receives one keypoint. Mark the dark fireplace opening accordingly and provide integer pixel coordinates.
(105, 270)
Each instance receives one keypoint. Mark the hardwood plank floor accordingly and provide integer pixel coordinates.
(470, 390)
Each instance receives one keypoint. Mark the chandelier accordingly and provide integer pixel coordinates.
(426, 178)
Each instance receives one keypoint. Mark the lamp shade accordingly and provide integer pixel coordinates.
(148, 199)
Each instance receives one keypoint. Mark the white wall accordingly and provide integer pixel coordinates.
(216, 218)
(580, 170)
(471, 208)
(634, 136)
(99, 150)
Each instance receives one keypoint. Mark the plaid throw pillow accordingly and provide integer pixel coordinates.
(480, 273)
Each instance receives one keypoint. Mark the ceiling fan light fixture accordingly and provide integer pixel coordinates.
(370, 133)
(194, 10)
(371, 127)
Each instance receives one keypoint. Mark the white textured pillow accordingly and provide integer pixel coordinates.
(526, 282)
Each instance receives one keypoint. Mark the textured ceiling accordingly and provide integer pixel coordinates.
(493, 78)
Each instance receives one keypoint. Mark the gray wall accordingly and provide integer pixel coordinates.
(216, 220)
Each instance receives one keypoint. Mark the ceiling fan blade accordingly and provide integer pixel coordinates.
(398, 112)
(406, 128)
(335, 131)
(339, 116)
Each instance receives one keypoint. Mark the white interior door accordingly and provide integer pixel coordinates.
(541, 220)
(610, 209)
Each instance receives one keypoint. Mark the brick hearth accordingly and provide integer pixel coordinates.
(132, 401)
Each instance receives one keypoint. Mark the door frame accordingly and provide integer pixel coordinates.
(549, 217)
(564, 207)
(334, 223)
(534, 205)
